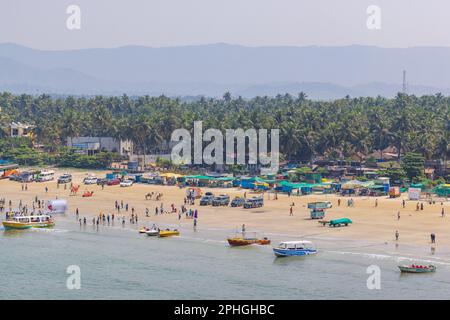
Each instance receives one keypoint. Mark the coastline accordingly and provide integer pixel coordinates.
(372, 226)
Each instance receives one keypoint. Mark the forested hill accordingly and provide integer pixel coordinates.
(308, 128)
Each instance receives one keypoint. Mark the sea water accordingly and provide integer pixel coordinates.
(116, 262)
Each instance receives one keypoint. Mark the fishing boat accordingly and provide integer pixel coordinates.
(417, 268)
(294, 248)
(27, 222)
(168, 233)
(241, 241)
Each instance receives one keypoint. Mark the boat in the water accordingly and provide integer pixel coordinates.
(241, 241)
(27, 222)
(417, 268)
(152, 232)
(168, 233)
(294, 248)
(143, 230)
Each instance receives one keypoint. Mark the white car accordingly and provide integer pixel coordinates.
(90, 180)
(126, 183)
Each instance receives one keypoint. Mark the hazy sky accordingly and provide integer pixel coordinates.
(110, 23)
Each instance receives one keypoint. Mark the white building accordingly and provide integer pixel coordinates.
(92, 145)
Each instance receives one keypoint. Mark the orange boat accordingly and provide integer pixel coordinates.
(239, 241)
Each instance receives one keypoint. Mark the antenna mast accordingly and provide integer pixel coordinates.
(404, 89)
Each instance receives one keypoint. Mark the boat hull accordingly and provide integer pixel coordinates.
(164, 234)
(293, 253)
(238, 242)
(9, 225)
(409, 269)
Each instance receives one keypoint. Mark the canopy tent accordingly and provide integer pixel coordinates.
(225, 179)
(442, 190)
(199, 177)
(355, 184)
(252, 182)
(170, 175)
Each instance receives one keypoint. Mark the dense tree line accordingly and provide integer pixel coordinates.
(337, 129)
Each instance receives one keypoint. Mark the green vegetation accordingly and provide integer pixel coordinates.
(339, 129)
(20, 151)
(413, 166)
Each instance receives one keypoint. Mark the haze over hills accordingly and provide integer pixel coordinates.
(321, 72)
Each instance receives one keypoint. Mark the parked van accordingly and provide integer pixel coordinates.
(46, 176)
(222, 200)
(255, 202)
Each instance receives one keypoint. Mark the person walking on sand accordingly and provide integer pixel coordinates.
(376, 203)
(291, 212)
(403, 203)
(243, 230)
(398, 215)
(46, 189)
(339, 202)
(433, 238)
(442, 213)
(396, 235)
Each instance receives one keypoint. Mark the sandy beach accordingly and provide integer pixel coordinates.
(370, 223)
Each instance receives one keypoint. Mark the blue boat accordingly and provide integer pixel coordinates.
(294, 248)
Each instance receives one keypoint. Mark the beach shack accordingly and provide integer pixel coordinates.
(7, 168)
(442, 190)
(198, 180)
(256, 183)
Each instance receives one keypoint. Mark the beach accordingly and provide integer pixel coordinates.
(370, 224)
(117, 262)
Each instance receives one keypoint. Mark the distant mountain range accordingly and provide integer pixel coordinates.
(320, 72)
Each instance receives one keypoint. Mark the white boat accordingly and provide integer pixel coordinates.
(152, 232)
(294, 248)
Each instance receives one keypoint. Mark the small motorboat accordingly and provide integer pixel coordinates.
(27, 222)
(417, 268)
(152, 232)
(294, 248)
(240, 241)
(143, 230)
(168, 233)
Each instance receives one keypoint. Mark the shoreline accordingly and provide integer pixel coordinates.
(373, 225)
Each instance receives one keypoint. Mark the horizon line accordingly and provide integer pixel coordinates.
(224, 44)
